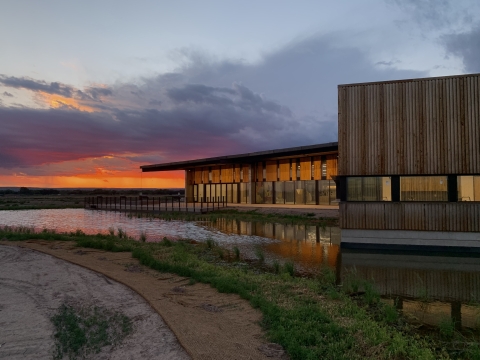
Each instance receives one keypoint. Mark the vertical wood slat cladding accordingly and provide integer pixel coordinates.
(272, 171)
(237, 173)
(205, 172)
(227, 173)
(198, 175)
(306, 168)
(284, 170)
(215, 174)
(332, 166)
(441, 216)
(246, 170)
(259, 172)
(422, 126)
(317, 175)
(189, 177)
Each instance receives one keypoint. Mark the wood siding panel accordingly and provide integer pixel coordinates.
(205, 175)
(434, 216)
(284, 170)
(237, 173)
(227, 174)
(317, 173)
(215, 174)
(259, 172)
(246, 171)
(272, 171)
(421, 126)
(306, 168)
(332, 166)
(198, 176)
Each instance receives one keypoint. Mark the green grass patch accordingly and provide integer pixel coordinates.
(312, 318)
(83, 331)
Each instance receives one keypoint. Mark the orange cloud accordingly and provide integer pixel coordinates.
(57, 101)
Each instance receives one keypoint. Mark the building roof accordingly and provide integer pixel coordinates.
(309, 150)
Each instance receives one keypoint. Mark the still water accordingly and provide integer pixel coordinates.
(427, 287)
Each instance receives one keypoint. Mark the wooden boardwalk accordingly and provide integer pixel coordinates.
(151, 204)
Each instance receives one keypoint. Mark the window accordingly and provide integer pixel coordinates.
(369, 189)
(423, 188)
(468, 188)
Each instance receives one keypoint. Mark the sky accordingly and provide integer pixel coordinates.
(91, 90)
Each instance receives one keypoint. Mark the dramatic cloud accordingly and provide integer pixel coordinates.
(465, 45)
(56, 88)
(206, 108)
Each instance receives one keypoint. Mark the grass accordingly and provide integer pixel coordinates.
(83, 331)
(310, 317)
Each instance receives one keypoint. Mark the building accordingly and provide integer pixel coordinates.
(409, 163)
(408, 174)
(299, 175)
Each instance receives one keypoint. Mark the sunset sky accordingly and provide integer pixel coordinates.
(91, 90)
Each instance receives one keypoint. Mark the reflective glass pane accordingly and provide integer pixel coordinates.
(229, 193)
(310, 192)
(223, 196)
(300, 192)
(268, 192)
(235, 193)
(323, 192)
(201, 193)
(195, 192)
(332, 190)
(468, 188)
(259, 199)
(279, 189)
(289, 192)
(423, 188)
(354, 189)
(208, 193)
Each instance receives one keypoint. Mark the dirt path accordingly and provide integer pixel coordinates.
(33, 286)
(209, 325)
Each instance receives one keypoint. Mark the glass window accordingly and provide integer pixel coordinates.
(279, 188)
(235, 193)
(323, 192)
(300, 192)
(268, 192)
(200, 193)
(289, 192)
(195, 192)
(229, 193)
(468, 188)
(259, 199)
(324, 169)
(423, 188)
(218, 192)
(332, 190)
(207, 192)
(366, 189)
(310, 192)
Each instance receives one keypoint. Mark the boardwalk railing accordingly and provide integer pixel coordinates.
(152, 204)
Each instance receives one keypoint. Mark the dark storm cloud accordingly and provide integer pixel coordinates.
(207, 109)
(7, 94)
(54, 88)
(465, 45)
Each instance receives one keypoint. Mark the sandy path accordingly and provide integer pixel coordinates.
(33, 285)
(231, 331)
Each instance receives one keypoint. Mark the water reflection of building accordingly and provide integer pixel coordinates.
(308, 246)
(426, 287)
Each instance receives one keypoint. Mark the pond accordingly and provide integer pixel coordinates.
(428, 287)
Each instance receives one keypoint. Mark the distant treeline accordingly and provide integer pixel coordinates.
(88, 192)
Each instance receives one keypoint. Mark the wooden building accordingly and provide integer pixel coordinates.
(409, 163)
(299, 175)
